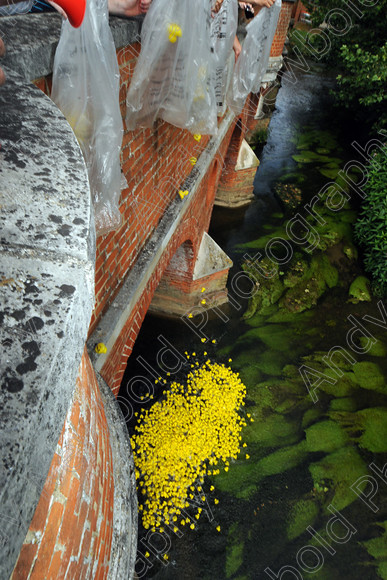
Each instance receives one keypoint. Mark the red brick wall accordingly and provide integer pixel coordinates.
(71, 530)
(155, 163)
(282, 29)
(191, 229)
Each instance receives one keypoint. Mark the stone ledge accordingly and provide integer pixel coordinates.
(47, 250)
(118, 312)
(31, 40)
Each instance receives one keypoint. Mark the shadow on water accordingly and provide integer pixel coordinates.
(306, 503)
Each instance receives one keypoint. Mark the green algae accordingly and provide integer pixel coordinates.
(378, 349)
(271, 362)
(343, 404)
(241, 480)
(303, 513)
(369, 376)
(282, 460)
(339, 470)
(359, 290)
(272, 431)
(234, 551)
(310, 416)
(325, 436)
(377, 548)
(370, 422)
(274, 336)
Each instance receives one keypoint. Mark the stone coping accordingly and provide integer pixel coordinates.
(31, 40)
(47, 254)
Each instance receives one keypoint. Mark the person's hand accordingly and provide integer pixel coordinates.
(2, 52)
(237, 48)
(217, 7)
(128, 7)
(262, 3)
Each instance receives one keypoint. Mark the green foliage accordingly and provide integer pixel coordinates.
(371, 227)
(359, 54)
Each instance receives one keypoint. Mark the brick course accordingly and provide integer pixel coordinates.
(71, 530)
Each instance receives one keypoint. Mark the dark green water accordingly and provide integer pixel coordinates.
(314, 452)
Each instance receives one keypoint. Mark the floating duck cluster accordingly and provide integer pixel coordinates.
(183, 437)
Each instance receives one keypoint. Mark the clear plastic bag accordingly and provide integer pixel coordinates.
(223, 29)
(85, 87)
(173, 75)
(254, 58)
(18, 8)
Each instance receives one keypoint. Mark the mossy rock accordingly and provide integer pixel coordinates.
(270, 288)
(282, 460)
(378, 349)
(343, 404)
(234, 551)
(303, 513)
(321, 266)
(359, 290)
(298, 271)
(369, 376)
(304, 295)
(332, 232)
(311, 416)
(325, 436)
(350, 251)
(339, 470)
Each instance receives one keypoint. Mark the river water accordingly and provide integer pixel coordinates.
(311, 501)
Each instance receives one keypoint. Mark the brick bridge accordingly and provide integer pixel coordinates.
(68, 505)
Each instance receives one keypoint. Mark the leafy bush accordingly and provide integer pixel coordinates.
(371, 227)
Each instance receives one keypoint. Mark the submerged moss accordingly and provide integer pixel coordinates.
(369, 376)
(338, 471)
(272, 431)
(377, 349)
(310, 416)
(343, 404)
(234, 551)
(377, 548)
(303, 513)
(371, 423)
(282, 460)
(325, 436)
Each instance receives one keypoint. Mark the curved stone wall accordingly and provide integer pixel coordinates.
(66, 475)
